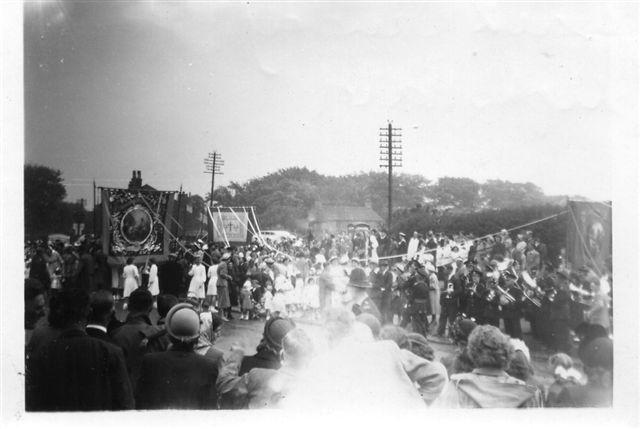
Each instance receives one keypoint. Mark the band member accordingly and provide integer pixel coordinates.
(511, 306)
(489, 312)
(419, 307)
(471, 300)
(560, 314)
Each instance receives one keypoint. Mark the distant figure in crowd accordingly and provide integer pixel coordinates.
(76, 372)
(198, 275)
(178, 378)
(131, 277)
(489, 386)
(154, 281)
(170, 276)
(262, 387)
(223, 283)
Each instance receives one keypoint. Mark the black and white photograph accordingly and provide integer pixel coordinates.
(346, 209)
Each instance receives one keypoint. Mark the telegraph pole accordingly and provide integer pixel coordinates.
(391, 156)
(213, 165)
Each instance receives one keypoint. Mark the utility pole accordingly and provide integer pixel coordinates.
(391, 156)
(213, 165)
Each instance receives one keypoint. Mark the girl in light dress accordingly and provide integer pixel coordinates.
(154, 282)
(198, 276)
(131, 277)
(267, 300)
(312, 297)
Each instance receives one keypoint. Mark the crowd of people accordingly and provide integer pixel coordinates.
(380, 301)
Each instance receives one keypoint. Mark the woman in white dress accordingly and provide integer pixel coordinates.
(198, 276)
(154, 282)
(131, 278)
(212, 288)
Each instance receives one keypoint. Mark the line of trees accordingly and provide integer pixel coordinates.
(283, 199)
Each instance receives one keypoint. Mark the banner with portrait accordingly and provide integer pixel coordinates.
(134, 222)
(230, 226)
(589, 235)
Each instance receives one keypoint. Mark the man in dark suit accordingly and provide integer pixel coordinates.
(178, 378)
(135, 333)
(385, 282)
(76, 372)
(102, 309)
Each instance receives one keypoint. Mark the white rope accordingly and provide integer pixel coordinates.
(253, 230)
(222, 225)
(213, 221)
(165, 227)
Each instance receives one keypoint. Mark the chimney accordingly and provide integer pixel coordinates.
(133, 174)
(139, 175)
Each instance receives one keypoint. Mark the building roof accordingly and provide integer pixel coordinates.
(343, 214)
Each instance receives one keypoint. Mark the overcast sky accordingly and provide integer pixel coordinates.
(487, 91)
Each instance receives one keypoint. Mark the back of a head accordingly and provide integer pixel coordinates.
(598, 354)
(396, 334)
(140, 301)
(71, 307)
(339, 322)
(372, 322)
(489, 348)
(420, 346)
(102, 304)
(520, 367)
(297, 346)
(165, 302)
(560, 359)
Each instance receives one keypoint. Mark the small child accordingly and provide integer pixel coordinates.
(246, 304)
(312, 297)
(565, 375)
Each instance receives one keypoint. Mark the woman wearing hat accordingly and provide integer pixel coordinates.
(224, 302)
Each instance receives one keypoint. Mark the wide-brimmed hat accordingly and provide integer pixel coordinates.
(225, 256)
(183, 323)
(358, 278)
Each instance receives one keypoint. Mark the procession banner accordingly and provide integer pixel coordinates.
(229, 226)
(589, 235)
(134, 222)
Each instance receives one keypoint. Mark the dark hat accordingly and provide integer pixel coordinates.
(358, 278)
(383, 263)
(275, 330)
(598, 353)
